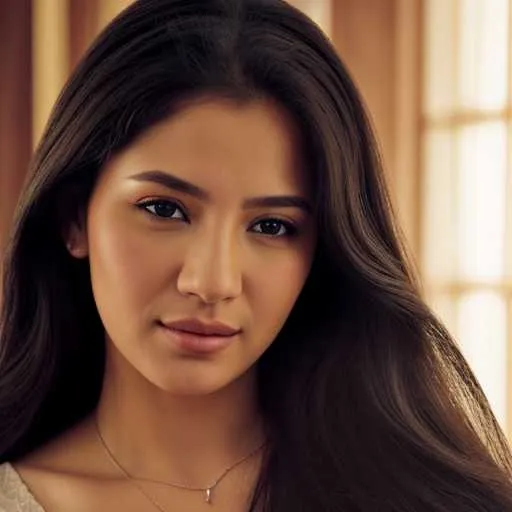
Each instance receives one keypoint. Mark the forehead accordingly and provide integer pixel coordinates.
(213, 142)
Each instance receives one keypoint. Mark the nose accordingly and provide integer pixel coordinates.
(211, 268)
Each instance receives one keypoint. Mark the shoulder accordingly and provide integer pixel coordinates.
(54, 476)
(14, 495)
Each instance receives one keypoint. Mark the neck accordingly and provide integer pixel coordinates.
(161, 436)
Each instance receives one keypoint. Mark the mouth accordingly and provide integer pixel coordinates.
(196, 326)
(195, 337)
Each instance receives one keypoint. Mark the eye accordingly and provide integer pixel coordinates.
(163, 209)
(275, 228)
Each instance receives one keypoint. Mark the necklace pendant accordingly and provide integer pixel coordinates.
(208, 495)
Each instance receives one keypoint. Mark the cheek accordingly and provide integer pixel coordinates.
(125, 268)
(276, 290)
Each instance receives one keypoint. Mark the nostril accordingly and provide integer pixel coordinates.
(212, 284)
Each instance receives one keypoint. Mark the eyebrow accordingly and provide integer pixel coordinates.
(171, 182)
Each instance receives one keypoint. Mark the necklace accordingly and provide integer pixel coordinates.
(208, 491)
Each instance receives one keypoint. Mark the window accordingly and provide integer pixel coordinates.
(466, 191)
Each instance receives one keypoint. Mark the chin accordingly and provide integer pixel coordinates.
(194, 383)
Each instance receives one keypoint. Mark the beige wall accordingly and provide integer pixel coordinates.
(379, 40)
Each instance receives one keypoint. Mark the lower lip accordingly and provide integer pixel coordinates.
(197, 343)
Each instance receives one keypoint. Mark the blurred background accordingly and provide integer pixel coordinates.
(437, 79)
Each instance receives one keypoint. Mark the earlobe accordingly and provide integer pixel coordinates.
(76, 241)
(76, 250)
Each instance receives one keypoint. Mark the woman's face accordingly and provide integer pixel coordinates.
(206, 217)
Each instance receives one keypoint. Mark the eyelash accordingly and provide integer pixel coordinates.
(291, 229)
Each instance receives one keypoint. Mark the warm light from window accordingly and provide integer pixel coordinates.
(467, 182)
(439, 56)
(439, 216)
(481, 198)
(482, 326)
(483, 40)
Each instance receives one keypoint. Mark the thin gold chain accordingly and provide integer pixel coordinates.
(127, 475)
(133, 480)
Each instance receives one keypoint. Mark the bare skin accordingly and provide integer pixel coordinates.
(168, 413)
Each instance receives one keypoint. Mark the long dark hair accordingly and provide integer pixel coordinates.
(369, 402)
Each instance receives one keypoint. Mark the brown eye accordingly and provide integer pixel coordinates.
(163, 209)
(275, 228)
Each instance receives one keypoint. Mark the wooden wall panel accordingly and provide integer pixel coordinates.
(84, 26)
(379, 40)
(15, 105)
(50, 49)
(364, 34)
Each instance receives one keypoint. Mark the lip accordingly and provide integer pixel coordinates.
(193, 336)
(196, 326)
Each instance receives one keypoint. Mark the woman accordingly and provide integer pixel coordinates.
(206, 304)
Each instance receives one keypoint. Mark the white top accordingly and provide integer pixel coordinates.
(14, 494)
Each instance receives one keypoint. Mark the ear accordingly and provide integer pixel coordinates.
(75, 238)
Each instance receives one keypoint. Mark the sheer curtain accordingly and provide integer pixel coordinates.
(467, 184)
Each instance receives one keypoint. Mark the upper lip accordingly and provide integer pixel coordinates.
(195, 326)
